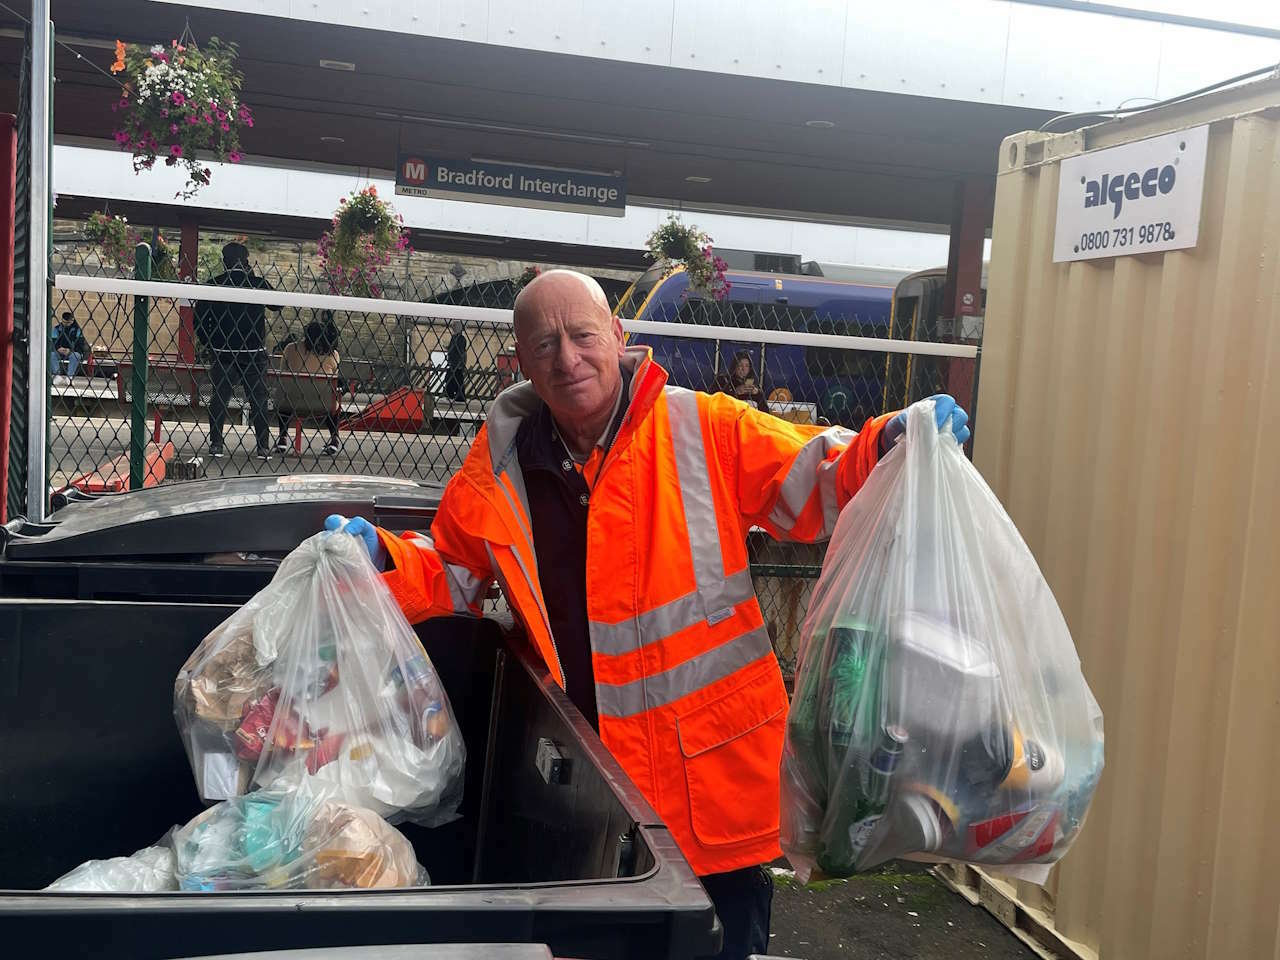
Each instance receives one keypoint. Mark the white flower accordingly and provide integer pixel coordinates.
(157, 49)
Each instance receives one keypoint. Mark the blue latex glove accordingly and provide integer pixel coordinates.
(945, 410)
(362, 528)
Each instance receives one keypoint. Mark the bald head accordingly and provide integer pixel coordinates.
(569, 343)
(554, 289)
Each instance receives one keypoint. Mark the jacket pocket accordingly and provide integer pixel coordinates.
(732, 748)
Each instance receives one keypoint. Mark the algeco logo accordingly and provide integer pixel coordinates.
(1116, 188)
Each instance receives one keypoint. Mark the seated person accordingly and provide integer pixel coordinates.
(317, 353)
(67, 343)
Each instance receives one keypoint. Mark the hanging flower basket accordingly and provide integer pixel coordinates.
(364, 234)
(116, 242)
(526, 277)
(181, 104)
(676, 244)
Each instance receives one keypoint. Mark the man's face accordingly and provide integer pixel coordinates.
(568, 344)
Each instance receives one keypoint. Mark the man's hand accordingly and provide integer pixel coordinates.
(948, 414)
(362, 528)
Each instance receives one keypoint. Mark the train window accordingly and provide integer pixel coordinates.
(833, 362)
(697, 311)
(780, 316)
(720, 314)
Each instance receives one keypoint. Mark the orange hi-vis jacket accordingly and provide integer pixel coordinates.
(689, 693)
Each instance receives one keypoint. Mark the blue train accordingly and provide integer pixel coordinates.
(801, 382)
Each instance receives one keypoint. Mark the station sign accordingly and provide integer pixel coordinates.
(518, 185)
(1141, 197)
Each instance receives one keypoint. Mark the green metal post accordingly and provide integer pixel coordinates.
(138, 421)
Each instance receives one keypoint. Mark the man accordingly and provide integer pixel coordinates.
(236, 336)
(455, 364)
(68, 344)
(613, 509)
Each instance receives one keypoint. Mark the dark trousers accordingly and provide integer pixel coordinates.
(453, 384)
(744, 903)
(330, 421)
(248, 370)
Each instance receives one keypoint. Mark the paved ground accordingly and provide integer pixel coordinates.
(80, 444)
(899, 912)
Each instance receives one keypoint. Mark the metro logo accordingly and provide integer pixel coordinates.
(414, 172)
(1119, 187)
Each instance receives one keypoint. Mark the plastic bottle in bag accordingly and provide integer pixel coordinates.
(854, 826)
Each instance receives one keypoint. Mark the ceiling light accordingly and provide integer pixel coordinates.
(820, 124)
(697, 179)
(338, 65)
(332, 140)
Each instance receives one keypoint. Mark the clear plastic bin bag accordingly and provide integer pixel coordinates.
(150, 870)
(939, 711)
(288, 840)
(320, 681)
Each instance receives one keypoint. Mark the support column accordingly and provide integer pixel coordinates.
(38, 265)
(188, 256)
(962, 295)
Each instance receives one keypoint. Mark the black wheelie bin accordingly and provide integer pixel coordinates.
(101, 606)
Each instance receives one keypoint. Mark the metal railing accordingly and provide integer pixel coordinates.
(306, 381)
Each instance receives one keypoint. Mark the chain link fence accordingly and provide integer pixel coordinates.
(316, 384)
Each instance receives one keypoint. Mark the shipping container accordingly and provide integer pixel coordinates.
(1129, 405)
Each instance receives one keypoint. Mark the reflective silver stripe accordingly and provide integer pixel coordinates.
(661, 622)
(533, 589)
(637, 696)
(811, 469)
(464, 588)
(699, 503)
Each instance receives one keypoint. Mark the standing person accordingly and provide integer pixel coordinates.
(316, 354)
(67, 343)
(613, 509)
(741, 382)
(455, 364)
(236, 335)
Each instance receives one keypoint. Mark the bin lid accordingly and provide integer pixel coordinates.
(229, 515)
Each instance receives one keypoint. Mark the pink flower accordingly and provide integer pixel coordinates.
(173, 128)
(124, 103)
(122, 137)
(177, 98)
(115, 107)
(235, 156)
(164, 111)
(175, 150)
(225, 127)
